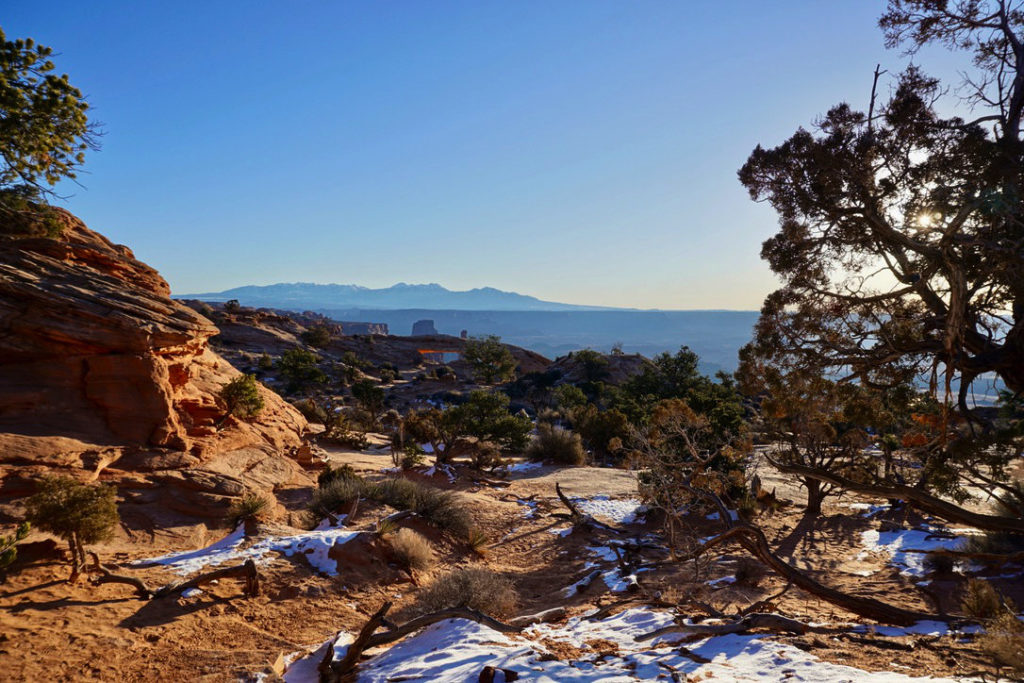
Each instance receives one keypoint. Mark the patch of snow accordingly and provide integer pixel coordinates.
(314, 545)
(561, 532)
(520, 467)
(732, 515)
(900, 546)
(457, 650)
(867, 509)
(531, 508)
(191, 593)
(723, 581)
(624, 511)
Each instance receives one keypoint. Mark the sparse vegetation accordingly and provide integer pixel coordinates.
(1003, 639)
(474, 587)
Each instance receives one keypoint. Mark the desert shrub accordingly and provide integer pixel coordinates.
(334, 495)
(485, 454)
(251, 506)
(242, 396)
(318, 336)
(371, 400)
(8, 546)
(557, 445)
(474, 587)
(344, 472)
(298, 368)
(387, 376)
(265, 362)
(232, 306)
(477, 541)
(749, 571)
(444, 509)
(411, 457)
(1004, 640)
(937, 563)
(25, 213)
(412, 550)
(79, 513)
(981, 600)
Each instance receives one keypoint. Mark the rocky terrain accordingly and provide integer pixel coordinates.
(103, 375)
(265, 548)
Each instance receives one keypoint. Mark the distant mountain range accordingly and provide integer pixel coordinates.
(311, 296)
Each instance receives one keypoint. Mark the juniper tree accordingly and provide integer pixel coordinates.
(900, 232)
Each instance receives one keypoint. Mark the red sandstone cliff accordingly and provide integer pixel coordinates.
(96, 362)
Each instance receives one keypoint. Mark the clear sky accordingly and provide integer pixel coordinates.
(579, 151)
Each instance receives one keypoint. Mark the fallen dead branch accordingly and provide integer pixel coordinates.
(107, 576)
(580, 518)
(775, 623)
(332, 672)
(246, 571)
(546, 617)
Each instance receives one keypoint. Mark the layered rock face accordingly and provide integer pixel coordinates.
(96, 357)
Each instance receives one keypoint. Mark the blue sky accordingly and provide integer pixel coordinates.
(578, 151)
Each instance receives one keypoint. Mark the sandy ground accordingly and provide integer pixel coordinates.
(52, 630)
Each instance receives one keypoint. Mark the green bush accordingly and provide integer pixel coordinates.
(472, 587)
(242, 396)
(298, 368)
(556, 445)
(79, 513)
(24, 213)
(8, 546)
(334, 496)
(318, 336)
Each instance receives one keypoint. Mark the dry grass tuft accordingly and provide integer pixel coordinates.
(1004, 640)
(981, 600)
(412, 550)
(474, 587)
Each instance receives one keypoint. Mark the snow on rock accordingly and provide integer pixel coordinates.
(457, 650)
(624, 511)
(232, 548)
(901, 545)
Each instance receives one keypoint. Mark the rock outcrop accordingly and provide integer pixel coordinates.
(424, 328)
(99, 365)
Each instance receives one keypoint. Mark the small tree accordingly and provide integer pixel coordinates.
(491, 360)
(79, 513)
(483, 419)
(371, 399)
(298, 368)
(318, 336)
(242, 396)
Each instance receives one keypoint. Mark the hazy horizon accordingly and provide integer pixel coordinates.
(581, 152)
